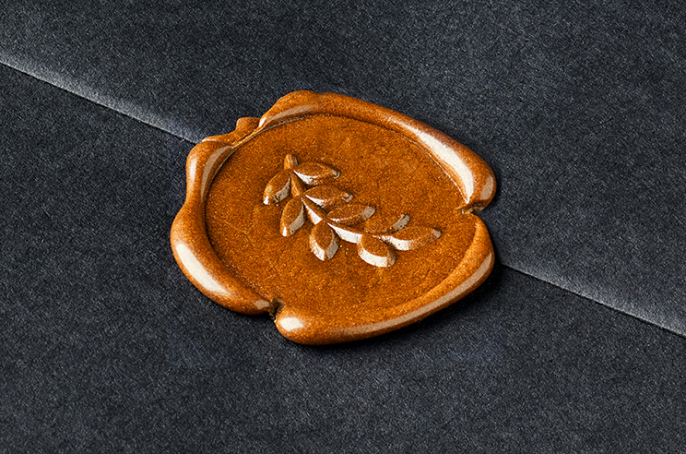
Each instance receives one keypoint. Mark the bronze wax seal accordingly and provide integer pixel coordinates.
(340, 218)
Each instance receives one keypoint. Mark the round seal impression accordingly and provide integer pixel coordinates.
(340, 218)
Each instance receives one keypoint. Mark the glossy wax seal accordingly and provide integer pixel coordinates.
(340, 218)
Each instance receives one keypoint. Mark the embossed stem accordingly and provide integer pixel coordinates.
(354, 235)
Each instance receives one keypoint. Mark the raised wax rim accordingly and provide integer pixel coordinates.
(200, 263)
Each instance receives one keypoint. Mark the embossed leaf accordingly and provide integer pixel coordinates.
(375, 252)
(323, 241)
(351, 214)
(292, 217)
(278, 188)
(413, 237)
(313, 173)
(327, 196)
(386, 224)
(400, 224)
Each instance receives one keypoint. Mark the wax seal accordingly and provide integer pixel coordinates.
(340, 218)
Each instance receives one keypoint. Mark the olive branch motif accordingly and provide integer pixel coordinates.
(376, 247)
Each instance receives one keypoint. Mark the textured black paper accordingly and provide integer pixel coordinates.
(578, 107)
(106, 347)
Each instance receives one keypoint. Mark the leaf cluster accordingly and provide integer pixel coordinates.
(334, 217)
